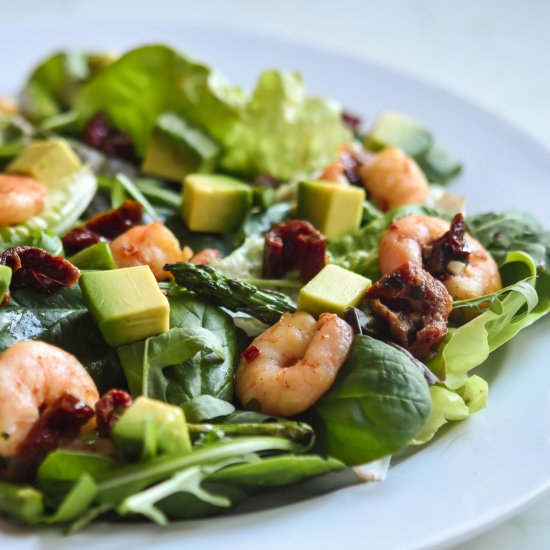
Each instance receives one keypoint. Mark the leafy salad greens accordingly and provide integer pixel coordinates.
(273, 196)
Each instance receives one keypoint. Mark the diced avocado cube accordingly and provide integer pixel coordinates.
(176, 149)
(396, 130)
(332, 208)
(332, 290)
(50, 162)
(97, 256)
(5, 280)
(150, 426)
(126, 304)
(213, 203)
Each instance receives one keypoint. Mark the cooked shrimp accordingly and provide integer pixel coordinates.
(392, 179)
(408, 240)
(8, 106)
(34, 375)
(298, 362)
(206, 256)
(21, 198)
(153, 245)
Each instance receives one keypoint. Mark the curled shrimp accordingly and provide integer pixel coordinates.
(408, 240)
(392, 179)
(297, 363)
(21, 198)
(153, 245)
(8, 106)
(206, 256)
(34, 375)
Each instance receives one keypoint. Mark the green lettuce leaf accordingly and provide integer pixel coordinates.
(449, 405)
(284, 132)
(151, 80)
(469, 345)
(56, 81)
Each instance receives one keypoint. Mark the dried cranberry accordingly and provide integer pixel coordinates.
(294, 244)
(250, 353)
(452, 246)
(105, 226)
(58, 425)
(265, 180)
(109, 409)
(100, 135)
(97, 130)
(352, 160)
(352, 121)
(34, 268)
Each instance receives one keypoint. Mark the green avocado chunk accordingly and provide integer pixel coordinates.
(332, 290)
(214, 203)
(397, 130)
(97, 256)
(332, 208)
(176, 149)
(126, 304)
(5, 280)
(149, 426)
(49, 161)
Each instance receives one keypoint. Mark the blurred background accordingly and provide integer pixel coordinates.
(494, 52)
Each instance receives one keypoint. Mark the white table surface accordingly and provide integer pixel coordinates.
(495, 52)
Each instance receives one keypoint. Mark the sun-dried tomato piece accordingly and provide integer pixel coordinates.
(101, 135)
(415, 306)
(105, 226)
(109, 409)
(265, 179)
(250, 353)
(294, 244)
(34, 268)
(452, 246)
(58, 425)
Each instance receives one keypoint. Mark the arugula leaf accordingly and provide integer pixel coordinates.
(284, 132)
(168, 81)
(504, 232)
(22, 502)
(186, 481)
(377, 405)
(276, 471)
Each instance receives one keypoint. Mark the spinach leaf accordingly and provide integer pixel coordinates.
(377, 405)
(195, 357)
(62, 320)
(206, 407)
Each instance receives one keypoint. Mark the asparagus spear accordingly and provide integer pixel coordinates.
(232, 294)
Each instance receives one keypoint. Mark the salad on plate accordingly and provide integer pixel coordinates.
(207, 294)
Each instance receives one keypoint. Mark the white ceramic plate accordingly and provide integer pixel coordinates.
(476, 474)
